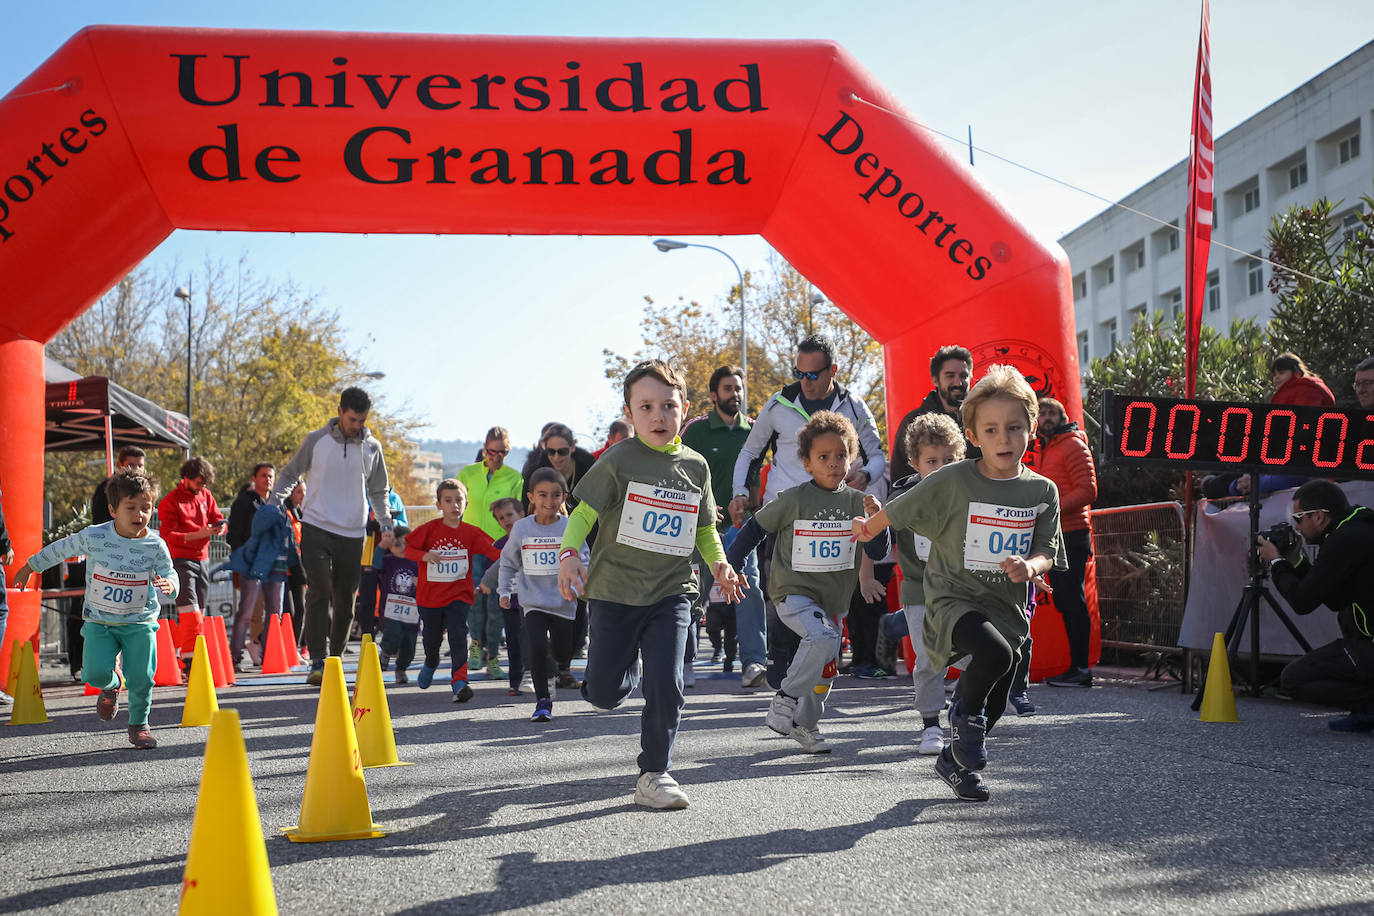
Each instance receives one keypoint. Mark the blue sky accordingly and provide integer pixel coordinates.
(1095, 93)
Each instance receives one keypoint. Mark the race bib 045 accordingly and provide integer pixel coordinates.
(996, 533)
(822, 545)
(659, 520)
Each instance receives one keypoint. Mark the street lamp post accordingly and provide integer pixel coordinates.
(674, 245)
(184, 294)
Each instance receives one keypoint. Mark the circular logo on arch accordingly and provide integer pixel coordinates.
(1041, 369)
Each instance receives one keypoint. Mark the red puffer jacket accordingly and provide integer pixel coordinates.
(1304, 391)
(1066, 459)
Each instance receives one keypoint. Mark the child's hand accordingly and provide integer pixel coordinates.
(1043, 584)
(737, 512)
(860, 531)
(871, 504)
(22, 577)
(1017, 569)
(871, 589)
(431, 557)
(572, 578)
(162, 585)
(505, 602)
(484, 590)
(388, 539)
(732, 584)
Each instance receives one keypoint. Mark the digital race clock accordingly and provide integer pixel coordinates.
(1240, 437)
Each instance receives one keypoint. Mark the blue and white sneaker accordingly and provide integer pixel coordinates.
(425, 677)
(543, 710)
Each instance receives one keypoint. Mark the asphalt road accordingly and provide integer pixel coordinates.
(1114, 800)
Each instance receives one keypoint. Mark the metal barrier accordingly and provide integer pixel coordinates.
(418, 515)
(1140, 557)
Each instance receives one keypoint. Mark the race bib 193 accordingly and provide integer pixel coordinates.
(539, 556)
(451, 566)
(402, 608)
(659, 520)
(113, 591)
(822, 545)
(996, 533)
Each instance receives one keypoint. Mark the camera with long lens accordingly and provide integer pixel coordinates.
(1283, 536)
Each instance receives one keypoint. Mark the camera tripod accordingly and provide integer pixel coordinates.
(1248, 608)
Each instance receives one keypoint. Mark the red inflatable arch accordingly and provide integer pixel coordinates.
(128, 133)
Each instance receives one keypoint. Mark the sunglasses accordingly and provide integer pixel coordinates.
(798, 374)
(1297, 516)
(560, 452)
(498, 451)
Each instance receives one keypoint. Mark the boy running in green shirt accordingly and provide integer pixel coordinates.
(653, 499)
(993, 526)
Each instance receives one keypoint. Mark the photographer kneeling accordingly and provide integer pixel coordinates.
(1341, 673)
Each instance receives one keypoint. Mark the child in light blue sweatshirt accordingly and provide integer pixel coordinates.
(529, 568)
(125, 563)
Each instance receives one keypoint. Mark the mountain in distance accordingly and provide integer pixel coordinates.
(461, 452)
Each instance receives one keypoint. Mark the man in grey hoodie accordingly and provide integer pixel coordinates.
(346, 472)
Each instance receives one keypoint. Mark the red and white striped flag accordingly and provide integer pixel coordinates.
(1201, 162)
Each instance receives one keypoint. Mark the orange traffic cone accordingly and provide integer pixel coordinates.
(288, 629)
(201, 702)
(222, 631)
(28, 708)
(335, 805)
(168, 670)
(274, 657)
(212, 652)
(226, 866)
(371, 715)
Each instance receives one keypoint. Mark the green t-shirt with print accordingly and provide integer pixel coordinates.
(815, 556)
(912, 552)
(649, 506)
(973, 523)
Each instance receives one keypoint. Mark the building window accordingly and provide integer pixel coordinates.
(1349, 148)
(1139, 258)
(1213, 292)
(1110, 273)
(1252, 200)
(1173, 239)
(1109, 331)
(1351, 224)
(1137, 314)
(1176, 304)
(1297, 176)
(1254, 274)
(1080, 286)
(1082, 348)
(1216, 211)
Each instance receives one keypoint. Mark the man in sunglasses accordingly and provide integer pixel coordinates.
(781, 418)
(1341, 673)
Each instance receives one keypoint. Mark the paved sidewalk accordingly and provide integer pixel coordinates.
(1114, 800)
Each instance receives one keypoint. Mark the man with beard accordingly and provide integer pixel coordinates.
(718, 436)
(950, 369)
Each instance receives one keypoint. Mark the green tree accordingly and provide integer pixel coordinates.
(1328, 321)
(780, 310)
(1231, 367)
(267, 366)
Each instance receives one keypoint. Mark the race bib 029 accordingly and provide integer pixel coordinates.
(996, 533)
(822, 545)
(659, 519)
(539, 556)
(113, 591)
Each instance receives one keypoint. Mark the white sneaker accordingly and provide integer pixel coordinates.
(810, 739)
(659, 790)
(689, 675)
(5, 699)
(527, 680)
(755, 675)
(780, 713)
(932, 741)
(255, 654)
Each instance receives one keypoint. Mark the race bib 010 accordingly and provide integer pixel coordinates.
(539, 556)
(996, 533)
(822, 545)
(659, 520)
(113, 591)
(451, 566)
(402, 608)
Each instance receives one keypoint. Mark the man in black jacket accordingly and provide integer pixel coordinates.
(1340, 673)
(130, 456)
(240, 530)
(950, 369)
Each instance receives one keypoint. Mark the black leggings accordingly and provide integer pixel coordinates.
(542, 631)
(986, 681)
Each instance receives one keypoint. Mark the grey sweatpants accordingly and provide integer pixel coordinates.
(814, 665)
(333, 565)
(928, 683)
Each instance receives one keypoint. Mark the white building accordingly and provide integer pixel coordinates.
(428, 469)
(1314, 142)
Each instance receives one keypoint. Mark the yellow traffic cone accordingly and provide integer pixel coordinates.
(29, 708)
(335, 804)
(201, 702)
(1218, 699)
(226, 867)
(371, 715)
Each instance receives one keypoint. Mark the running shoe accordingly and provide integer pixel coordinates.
(316, 676)
(425, 677)
(809, 738)
(966, 784)
(567, 681)
(932, 741)
(401, 676)
(461, 692)
(107, 703)
(753, 675)
(475, 656)
(384, 659)
(1073, 677)
(543, 710)
(141, 738)
(966, 734)
(494, 670)
(661, 791)
(1022, 704)
(780, 713)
